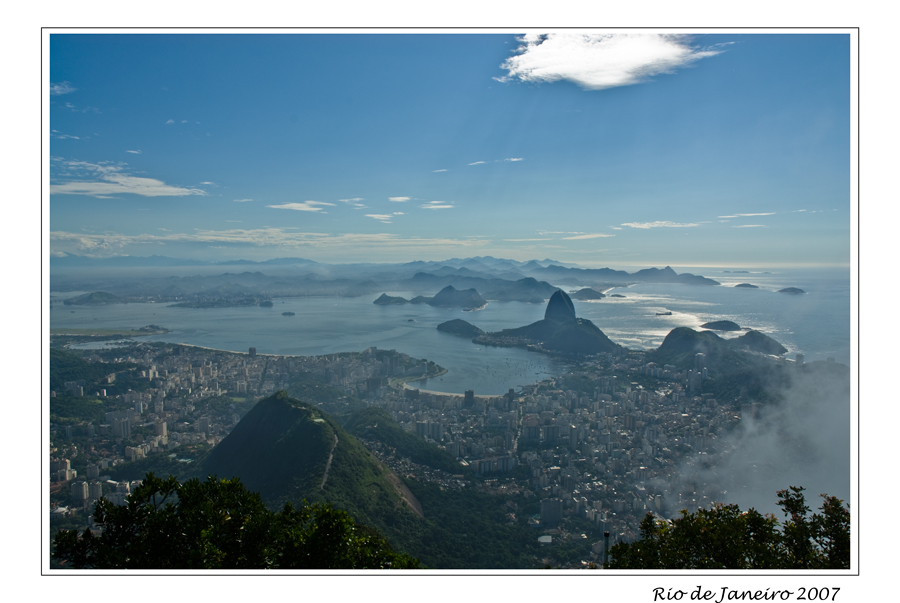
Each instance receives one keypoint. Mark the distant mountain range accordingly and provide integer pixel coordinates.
(200, 284)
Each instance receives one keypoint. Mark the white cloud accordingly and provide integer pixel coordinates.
(599, 61)
(399, 213)
(399, 199)
(304, 206)
(104, 245)
(437, 205)
(61, 136)
(171, 121)
(113, 180)
(771, 213)
(586, 236)
(616, 227)
(61, 88)
(513, 159)
(751, 226)
(477, 163)
(242, 200)
(444, 170)
(354, 199)
(658, 225)
(138, 153)
(523, 240)
(386, 218)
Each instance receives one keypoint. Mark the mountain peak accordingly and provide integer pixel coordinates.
(560, 307)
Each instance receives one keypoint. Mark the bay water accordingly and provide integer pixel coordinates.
(816, 324)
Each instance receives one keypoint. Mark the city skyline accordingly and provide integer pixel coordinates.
(620, 150)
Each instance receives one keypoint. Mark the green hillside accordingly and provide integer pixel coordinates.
(377, 423)
(281, 449)
(288, 450)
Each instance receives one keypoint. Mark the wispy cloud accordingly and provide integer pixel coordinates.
(599, 61)
(771, 213)
(514, 159)
(659, 225)
(384, 218)
(524, 240)
(138, 153)
(437, 205)
(61, 88)
(476, 163)
(750, 226)
(399, 199)
(112, 244)
(353, 200)
(104, 179)
(61, 136)
(171, 121)
(243, 200)
(586, 236)
(444, 170)
(304, 206)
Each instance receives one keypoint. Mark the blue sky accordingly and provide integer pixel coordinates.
(641, 150)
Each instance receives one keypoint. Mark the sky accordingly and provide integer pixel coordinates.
(602, 149)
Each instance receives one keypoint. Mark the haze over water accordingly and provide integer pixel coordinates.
(816, 324)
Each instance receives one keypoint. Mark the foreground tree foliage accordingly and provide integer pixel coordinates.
(219, 524)
(724, 537)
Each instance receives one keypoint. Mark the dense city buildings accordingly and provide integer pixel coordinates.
(603, 444)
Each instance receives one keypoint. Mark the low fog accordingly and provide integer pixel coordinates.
(801, 440)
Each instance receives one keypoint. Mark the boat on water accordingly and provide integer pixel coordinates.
(664, 314)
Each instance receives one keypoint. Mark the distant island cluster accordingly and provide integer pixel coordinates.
(468, 284)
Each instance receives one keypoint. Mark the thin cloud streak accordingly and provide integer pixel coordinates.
(437, 205)
(646, 225)
(304, 206)
(113, 180)
(110, 244)
(586, 236)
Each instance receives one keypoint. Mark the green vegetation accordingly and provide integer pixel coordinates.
(219, 524)
(281, 449)
(333, 400)
(75, 409)
(377, 423)
(723, 537)
(68, 366)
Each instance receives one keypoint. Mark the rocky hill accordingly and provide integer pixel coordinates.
(288, 450)
(561, 332)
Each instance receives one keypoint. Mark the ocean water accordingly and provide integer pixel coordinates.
(816, 324)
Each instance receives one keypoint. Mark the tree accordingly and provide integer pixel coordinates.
(724, 537)
(219, 524)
